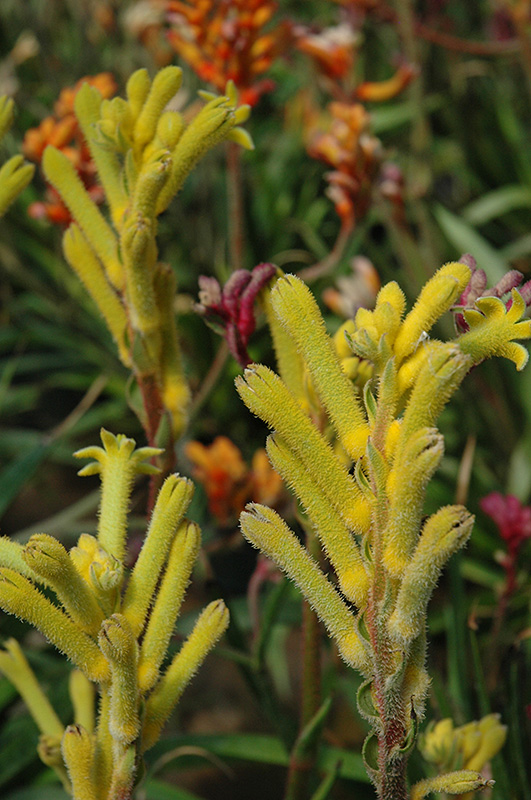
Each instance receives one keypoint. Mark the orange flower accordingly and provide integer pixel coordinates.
(355, 155)
(228, 482)
(224, 40)
(374, 91)
(333, 49)
(62, 131)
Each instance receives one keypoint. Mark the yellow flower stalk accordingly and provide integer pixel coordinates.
(369, 519)
(143, 154)
(115, 628)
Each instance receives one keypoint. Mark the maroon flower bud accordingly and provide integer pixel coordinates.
(230, 311)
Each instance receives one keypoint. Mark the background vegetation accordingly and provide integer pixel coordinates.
(457, 160)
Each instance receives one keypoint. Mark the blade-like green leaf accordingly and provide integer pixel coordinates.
(495, 203)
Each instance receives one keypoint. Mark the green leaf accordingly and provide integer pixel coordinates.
(495, 203)
(398, 114)
(17, 474)
(39, 792)
(261, 749)
(18, 747)
(517, 249)
(466, 239)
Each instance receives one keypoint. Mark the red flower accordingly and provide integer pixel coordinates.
(514, 524)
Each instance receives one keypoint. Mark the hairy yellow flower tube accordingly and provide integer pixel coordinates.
(78, 754)
(369, 519)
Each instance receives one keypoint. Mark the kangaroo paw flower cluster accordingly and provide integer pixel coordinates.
(115, 630)
(369, 519)
(142, 154)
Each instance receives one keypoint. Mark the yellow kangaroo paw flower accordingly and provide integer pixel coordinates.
(210, 626)
(118, 644)
(78, 753)
(118, 463)
(168, 602)
(298, 312)
(63, 176)
(87, 105)
(337, 540)
(11, 556)
(15, 175)
(443, 534)
(165, 85)
(46, 556)
(20, 597)
(206, 130)
(87, 267)
(464, 780)
(493, 329)
(172, 502)
(266, 396)
(137, 90)
(437, 296)
(440, 376)
(406, 489)
(289, 361)
(267, 531)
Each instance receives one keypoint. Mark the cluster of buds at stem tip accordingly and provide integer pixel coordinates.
(142, 153)
(116, 631)
(361, 479)
(15, 174)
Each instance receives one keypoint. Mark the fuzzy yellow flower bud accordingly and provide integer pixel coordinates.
(137, 90)
(172, 502)
(165, 85)
(61, 173)
(266, 396)
(78, 754)
(101, 571)
(297, 310)
(411, 474)
(437, 296)
(267, 531)
(443, 534)
(210, 626)
(459, 782)
(337, 540)
(47, 557)
(167, 604)
(118, 644)
(20, 597)
(15, 175)
(89, 270)
(207, 129)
